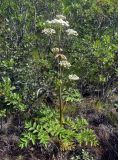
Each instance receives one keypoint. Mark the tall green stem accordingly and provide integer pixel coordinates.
(60, 97)
(60, 83)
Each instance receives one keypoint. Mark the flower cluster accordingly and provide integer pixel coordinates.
(48, 31)
(73, 77)
(71, 32)
(60, 22)
(65, 64)
(57, 50)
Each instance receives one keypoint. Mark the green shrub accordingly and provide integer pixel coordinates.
(12, 99)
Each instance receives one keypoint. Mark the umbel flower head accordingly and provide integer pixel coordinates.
(48, 31)
(57, 50)
(71, 32)
(65, 64)
(60, 22)
(73, 77)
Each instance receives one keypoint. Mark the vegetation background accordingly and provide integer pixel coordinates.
(29, 91)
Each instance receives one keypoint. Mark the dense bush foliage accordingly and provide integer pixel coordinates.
(54, 53)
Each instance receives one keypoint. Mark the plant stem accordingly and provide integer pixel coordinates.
(60, 85)
(60, 97)
(60, 104)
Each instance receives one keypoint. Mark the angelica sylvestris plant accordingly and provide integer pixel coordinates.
(50, 126)
(59, 26)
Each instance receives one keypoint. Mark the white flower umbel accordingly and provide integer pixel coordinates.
(60, 22)
(71, 32)
(48, 31)
(73, 77)
(65, 64)
(49, 22)
(57, 50)
(60, 17)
